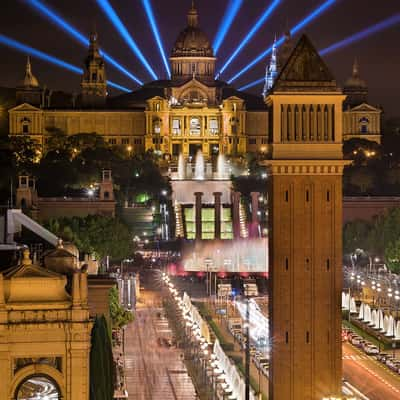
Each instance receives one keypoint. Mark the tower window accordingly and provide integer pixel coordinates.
(307, 196)
(328, 264)
(25, 128)
(286, 195)
(307, 337)
(94, 76)
(286, 264)
(287, 337)
(328, 196)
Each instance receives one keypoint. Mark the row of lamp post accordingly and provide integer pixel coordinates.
(199, 349)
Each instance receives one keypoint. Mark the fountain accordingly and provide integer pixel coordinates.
(221, 172)
(181, 167)
(199, 166)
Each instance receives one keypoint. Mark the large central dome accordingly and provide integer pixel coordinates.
(192, 41)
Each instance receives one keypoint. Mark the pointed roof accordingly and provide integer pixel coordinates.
(355, 82)
(29, 80)
(305, 70)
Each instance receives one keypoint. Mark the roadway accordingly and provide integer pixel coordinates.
(154, 371)
(369, 376)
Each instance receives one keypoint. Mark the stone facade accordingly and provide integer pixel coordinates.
(305, 252)
(44, 333)
(190, 111)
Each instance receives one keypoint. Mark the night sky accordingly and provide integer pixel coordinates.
(378, 55)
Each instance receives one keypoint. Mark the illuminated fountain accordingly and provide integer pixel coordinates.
(181, 167)
(199, 166)
(221, 167)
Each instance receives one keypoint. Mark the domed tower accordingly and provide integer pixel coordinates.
(28, 90)
(192, 54)
(94, 82)
(355, 88)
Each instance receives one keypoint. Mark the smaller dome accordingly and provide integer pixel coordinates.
(192, 41)
(355, 81)
(29, 80)
(61, 260)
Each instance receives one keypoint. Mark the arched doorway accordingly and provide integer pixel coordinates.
(38, 387)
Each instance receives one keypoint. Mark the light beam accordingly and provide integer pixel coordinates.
(230, 14)
(152, 20)
(53, 17)
(310, 17)
(386, 23)
(120, 27)
(23, 48)
(251, 33)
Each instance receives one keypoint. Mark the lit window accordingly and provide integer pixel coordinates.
(213, 126)
(176, 126)
(195, 126)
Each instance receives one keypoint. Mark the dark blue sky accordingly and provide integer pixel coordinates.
(378, 55)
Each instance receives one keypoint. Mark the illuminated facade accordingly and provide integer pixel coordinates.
(44, 334)
(305, 245)
(189, 112)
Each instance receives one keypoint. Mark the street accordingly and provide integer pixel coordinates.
(369, 376)
(153, 369)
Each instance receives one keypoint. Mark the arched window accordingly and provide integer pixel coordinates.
(38, 387)
(156, 126)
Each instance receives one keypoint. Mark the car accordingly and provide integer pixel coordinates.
(370, 349)
(382, 357)
(261, 361)
(356, 340)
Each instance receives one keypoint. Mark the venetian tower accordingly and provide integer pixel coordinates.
(305, 246)
(94, 81)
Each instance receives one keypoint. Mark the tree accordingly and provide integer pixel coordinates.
(95, 234)
(102, 368)
(392, 256)
(119, 316)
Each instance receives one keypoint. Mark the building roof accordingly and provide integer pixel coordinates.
(192, 41)
(305, 70)
(29, 81)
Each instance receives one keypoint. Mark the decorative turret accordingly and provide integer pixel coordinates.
(192, 54)
(355, 88)
(271, 70)
(94, 82)
(193, 17)
(28, 90)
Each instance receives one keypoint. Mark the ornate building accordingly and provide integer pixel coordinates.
(189, 112)
(360, 119)
(44, 334)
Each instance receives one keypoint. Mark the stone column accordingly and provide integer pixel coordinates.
(217, 215)
(236, 214)
(254, 214)
(76, 296)
(198, 206)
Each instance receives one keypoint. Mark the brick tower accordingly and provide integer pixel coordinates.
(305, 107)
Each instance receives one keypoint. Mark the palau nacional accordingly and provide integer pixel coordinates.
(299, 122)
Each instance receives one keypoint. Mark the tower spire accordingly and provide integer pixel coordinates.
(356, 68)
(271, 70)
(193, 17)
